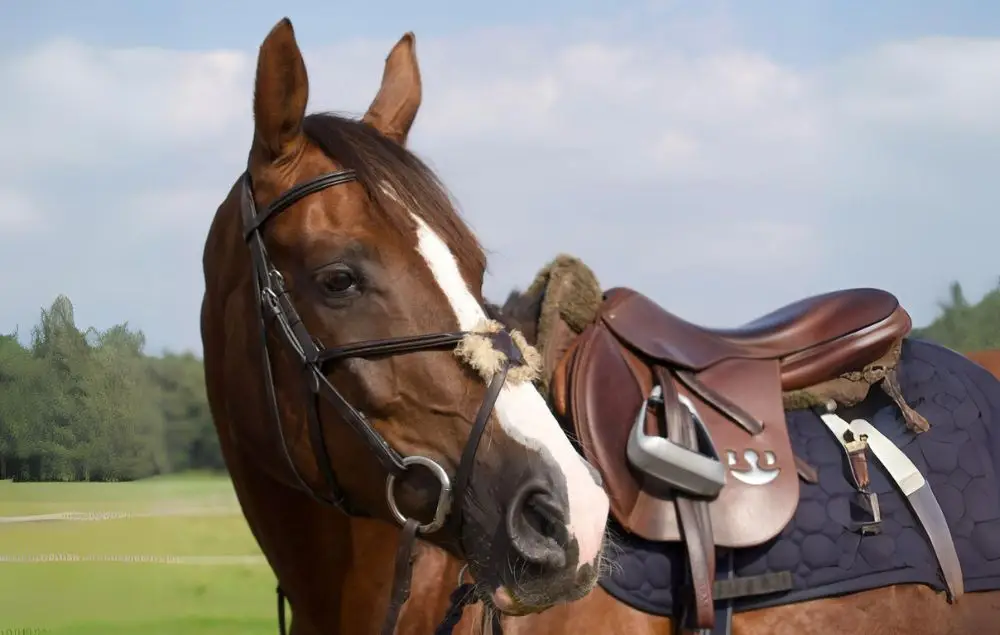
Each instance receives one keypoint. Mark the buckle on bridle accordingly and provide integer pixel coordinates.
(444, 497)
(270, 292)
(269, 300)
(276, 279)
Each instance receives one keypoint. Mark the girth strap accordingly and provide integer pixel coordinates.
(724, 606)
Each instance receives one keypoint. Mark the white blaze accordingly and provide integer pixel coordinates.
(520, 410)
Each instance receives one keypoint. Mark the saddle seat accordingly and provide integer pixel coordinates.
(815, 339)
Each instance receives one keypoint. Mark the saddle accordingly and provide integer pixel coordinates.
(686, 424)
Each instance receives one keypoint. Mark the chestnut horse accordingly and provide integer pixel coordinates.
(892, 610)
(989, 359)
(356, 246)
(351, 371)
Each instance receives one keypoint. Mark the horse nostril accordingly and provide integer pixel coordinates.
(544, 516)
(536, 524)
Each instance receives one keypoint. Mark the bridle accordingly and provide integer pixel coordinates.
(274, 307)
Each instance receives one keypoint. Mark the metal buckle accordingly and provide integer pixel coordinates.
(871, 527)
(670, 464)
(444, 498)
(270, 292)
(269, 299)
(277, 280)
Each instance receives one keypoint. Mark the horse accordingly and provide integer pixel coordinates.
(950, 433)
(989, 359)
(362, 397)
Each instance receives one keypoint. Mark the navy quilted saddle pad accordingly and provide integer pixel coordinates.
(958, 456)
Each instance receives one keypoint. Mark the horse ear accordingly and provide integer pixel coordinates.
(398, 99)
(281, 91)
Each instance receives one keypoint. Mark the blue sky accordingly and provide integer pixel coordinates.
(720, 156)
(798, 31)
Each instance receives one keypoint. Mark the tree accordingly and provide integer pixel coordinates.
(963, 326)
(121, 432)
(63, 351)
(20, 379)
(90, 405)
(191, 440)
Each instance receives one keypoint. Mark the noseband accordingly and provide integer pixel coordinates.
(275, 308)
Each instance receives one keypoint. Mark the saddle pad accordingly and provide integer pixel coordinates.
(959, 457)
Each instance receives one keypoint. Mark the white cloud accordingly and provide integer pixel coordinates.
(950, 81)
(76, 104)
(18, 213)
(172, 209)
(669, 169)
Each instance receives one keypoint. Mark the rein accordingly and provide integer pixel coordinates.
(275, 309)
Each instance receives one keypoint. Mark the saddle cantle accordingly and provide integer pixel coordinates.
(641, 375)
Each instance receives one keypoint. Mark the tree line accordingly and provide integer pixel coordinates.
(965, 326)
(90, 405)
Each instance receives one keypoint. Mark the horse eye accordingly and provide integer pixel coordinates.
(338, 281)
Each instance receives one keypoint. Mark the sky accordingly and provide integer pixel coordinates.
(724, 158)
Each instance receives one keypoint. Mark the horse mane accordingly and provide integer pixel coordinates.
(378, 162)
(520, 311)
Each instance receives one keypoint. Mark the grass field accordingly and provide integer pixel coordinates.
(182, 518)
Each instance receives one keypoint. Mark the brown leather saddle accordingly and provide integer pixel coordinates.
(686, 424)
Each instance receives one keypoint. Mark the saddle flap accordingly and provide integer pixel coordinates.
(607, 387)
(597, 412)
(762, 491)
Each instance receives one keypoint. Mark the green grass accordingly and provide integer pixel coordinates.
(166, 536)
(68, 597)
(110, 598)
(46, 498)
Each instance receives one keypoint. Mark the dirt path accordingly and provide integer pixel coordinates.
(96, 516)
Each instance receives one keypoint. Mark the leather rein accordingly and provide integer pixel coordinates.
(275, 308)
